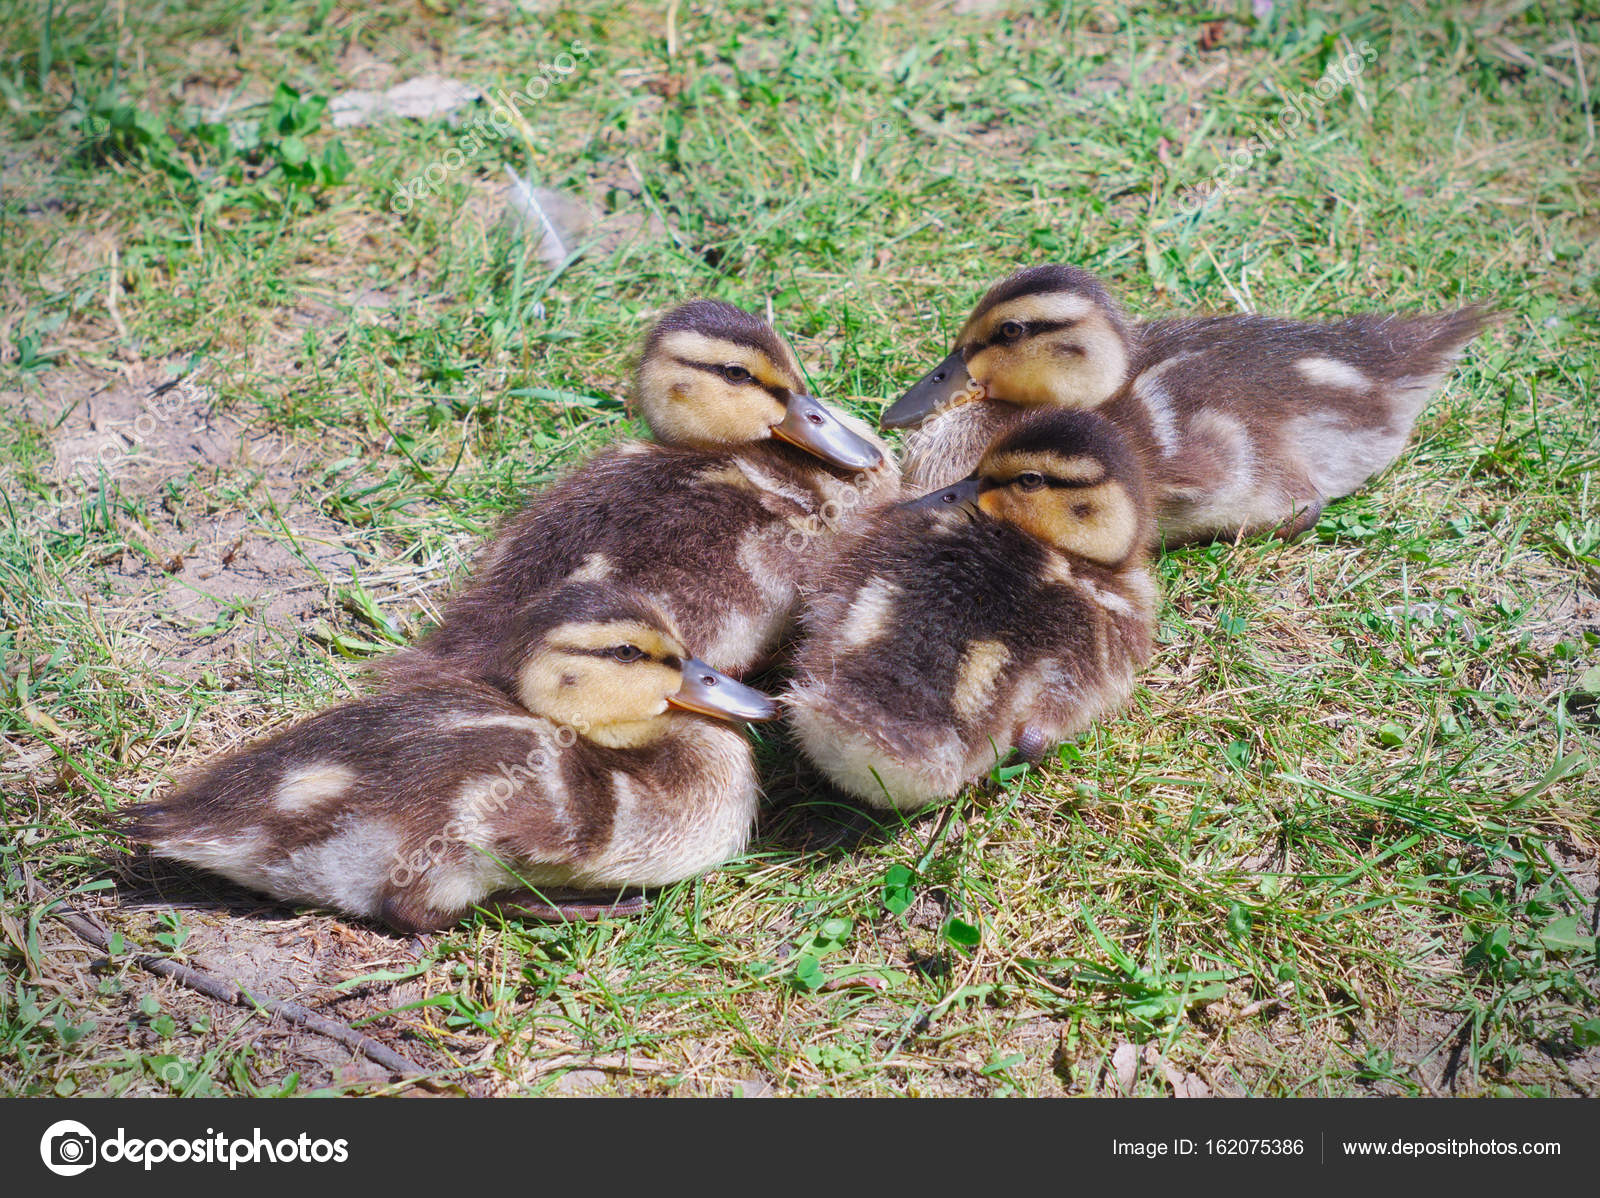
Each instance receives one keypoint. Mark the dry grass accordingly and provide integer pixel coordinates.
(1345, 840)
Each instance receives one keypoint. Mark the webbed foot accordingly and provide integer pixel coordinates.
(524, 904)
(1304, 520)
(1032, 744)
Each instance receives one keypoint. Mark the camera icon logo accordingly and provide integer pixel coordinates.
(68, 1148)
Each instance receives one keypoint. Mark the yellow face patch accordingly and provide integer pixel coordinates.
(576, 680)
(686, 398)
(1079, 366)
(1099, 523)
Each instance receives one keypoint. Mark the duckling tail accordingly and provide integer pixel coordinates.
(177, 817)
(1447, 334)
(1422, 349)
(143, 823)
(217, 803)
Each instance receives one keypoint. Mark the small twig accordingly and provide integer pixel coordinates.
(112, 291)
(1256, 1008)
(938, 834)
(1583, 92)
(1039, 981)
(225, 990)
(608, 1064)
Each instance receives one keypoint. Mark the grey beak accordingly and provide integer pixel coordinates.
(958, 494)
(818, 430)
(711, 692)
(946, 384)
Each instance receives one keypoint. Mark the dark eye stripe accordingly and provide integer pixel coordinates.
(610, 654)
(776, 390)
(1030, 328)
(1058, 484)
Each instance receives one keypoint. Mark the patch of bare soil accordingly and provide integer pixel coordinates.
(1412, 1048)
(227, 558)
(272, 953)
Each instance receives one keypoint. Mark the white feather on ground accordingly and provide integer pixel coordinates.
(556, 219)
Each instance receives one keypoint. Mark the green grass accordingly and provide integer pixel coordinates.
(1343, 842)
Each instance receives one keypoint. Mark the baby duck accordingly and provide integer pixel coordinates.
(1007, 611)
(719, 520)
(412, 806)
(1248, 423)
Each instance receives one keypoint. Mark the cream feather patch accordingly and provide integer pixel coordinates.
(309, 787)
(1331, 372)
(976, 677)
(871, 613)
(596, 567)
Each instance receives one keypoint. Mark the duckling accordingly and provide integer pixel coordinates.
(1007, 611)
(1248, 423)
(720, 519)
(412, 806)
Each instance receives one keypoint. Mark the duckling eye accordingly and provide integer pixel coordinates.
(1030, 481)
(627, 653)
(735, 373)
(1012, 329)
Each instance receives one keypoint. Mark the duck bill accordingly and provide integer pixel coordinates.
(945, 386)
(963, 494)
(818, 430)
(710, 692)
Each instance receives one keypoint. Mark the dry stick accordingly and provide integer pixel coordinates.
(609, 1064)
(227, 991)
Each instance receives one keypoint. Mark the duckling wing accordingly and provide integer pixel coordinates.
(1387, 345)
(910, 647)
(669, 522)
(1254, 420)
(1372, 371)
(1096, 630)
(934, 643)
(383, 800)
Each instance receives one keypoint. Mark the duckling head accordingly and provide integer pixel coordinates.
(1068, 478)
(714, 375)
(1048, 336)
(609, 663)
